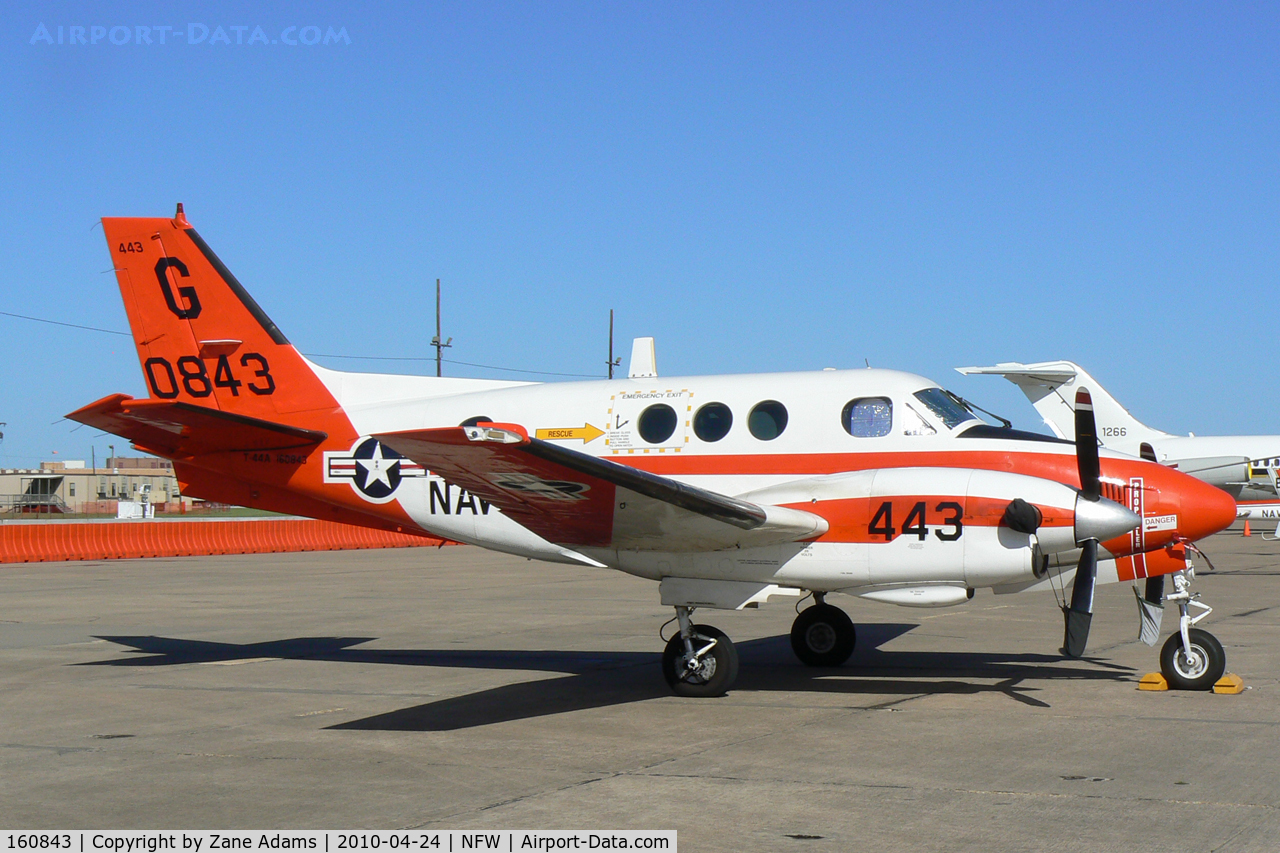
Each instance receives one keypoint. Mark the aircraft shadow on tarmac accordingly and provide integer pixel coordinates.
(601, 679)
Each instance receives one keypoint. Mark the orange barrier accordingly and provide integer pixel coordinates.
(40, 542)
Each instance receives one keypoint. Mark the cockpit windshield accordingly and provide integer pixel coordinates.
(946, 406)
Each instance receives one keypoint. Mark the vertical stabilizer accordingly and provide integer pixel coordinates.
(201, 338)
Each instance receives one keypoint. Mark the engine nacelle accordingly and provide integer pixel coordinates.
(893, 528)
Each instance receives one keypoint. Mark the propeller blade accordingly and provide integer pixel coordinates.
(1080, 614)
(1087, 447)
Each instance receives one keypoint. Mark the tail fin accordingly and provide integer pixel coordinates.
(201, 337)
(1050, 386)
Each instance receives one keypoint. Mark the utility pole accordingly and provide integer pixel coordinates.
(612, 362)
(435, 342)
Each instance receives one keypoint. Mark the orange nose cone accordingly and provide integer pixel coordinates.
(1205, 509)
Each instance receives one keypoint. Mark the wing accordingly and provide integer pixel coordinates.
(176, 429)
(577, 500)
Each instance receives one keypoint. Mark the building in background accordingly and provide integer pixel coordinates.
(71, 487)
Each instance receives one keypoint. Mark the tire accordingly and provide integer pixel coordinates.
(823, 635)
(719, 666)
(1201, 674)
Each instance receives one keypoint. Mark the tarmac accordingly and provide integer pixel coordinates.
(459, 689)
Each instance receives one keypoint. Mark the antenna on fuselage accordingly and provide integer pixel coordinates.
(644, 359)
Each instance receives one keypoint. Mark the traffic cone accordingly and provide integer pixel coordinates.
(1247, 532)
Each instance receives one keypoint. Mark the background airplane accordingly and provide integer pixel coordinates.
(726, 490)
(1244, 466)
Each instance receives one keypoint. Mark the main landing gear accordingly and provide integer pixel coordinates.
(1191, 659)
(823, 635)
(701, 661)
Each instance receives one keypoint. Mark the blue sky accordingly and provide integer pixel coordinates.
(759, 186)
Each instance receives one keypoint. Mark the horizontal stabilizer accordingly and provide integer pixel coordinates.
(574, 499)
(175, 429)
(1052, 373)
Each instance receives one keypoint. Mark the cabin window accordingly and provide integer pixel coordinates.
(945, 406)
(868, 417)
(657, 423)
(767, 420)
(712, 422)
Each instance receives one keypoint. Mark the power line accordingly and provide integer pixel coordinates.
(59, 323)
(518, 370)
(447, 361)
(324, 355)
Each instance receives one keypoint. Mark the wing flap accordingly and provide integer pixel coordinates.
(577, 500)
(176, 429)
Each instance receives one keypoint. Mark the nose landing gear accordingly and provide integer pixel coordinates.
(1191, 659)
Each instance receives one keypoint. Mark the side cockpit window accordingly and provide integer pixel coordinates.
(868, 417)
(913, 423)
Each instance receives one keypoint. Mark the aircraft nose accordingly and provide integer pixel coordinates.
(1205, 509)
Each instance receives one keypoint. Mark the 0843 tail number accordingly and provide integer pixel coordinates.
(192, 376)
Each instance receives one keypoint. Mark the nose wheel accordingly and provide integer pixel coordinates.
(823, 635)
(1195, 665)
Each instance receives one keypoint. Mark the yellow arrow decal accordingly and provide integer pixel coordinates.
(586, 432)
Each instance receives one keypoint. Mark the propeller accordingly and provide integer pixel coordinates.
(1097, 519)
(1079, 614)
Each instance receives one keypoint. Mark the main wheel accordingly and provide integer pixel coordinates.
(823, 635)
(714, 674)
(1198, 671)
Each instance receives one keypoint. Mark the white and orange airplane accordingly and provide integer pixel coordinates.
(726, 490)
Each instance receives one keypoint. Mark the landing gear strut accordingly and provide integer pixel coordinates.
(1191, 659)
(699, 660)
(823, 635)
